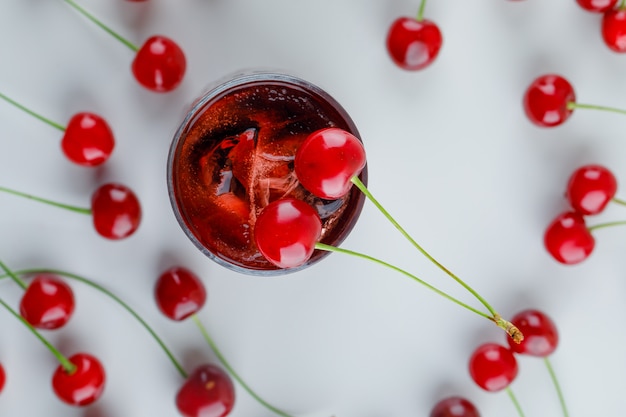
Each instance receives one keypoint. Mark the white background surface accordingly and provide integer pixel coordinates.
(450, 154)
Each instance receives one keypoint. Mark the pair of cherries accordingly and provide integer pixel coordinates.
(589, 189)
(208, 391)
(613, 26)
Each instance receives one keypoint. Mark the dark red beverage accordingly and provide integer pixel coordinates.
(234, 153)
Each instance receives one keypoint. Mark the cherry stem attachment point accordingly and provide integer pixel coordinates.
(573, 105)
(32, 113)
(115, 298)
(107, 29)
(68, 366)
(557, 386)
(359, 184)
(622, 5)
(515, 401)
(76, 209)
(607, 224)
(230, 369)
(617, 200)
(420, 12)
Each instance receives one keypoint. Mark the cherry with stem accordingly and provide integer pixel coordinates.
(115, 209)
(414, 43)
(87, 139)
(159, 64)
(614, 28)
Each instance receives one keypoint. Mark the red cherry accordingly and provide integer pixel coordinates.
(540, 335)
(597, 6)
(413, 44)
(546, 99)
(179, 293)
(327, 160)
(48, 302)
(286, 231)
(614, 29)
(88, 140)
(454, 407)
(208, 392)
(116, 211)
(159, 64)
(568, 240)
(591, 188)
(82, 387)
(3, 377)
(493, 367)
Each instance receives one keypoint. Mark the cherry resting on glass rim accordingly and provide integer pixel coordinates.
(115, 210)
(454, 407)
(598, 6)
(493, 367)
(179, 293)
(590, 188)
(614, 29)
(413, 44)
(160, 64)
(568, 240)
(546, 99)
(208, 392)
(234, 154)
(47, 303)
(82, 387)
(540, 335)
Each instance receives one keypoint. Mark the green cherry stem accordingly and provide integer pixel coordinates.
(68, 366)
(557, 386)
(607, 224)
(13, 276)
(32, 113)
(115, 298)
(516, 403)
(76, 209)
(329, 248)
(420, 12)
(107, 29)
(496, 318)
(618, 200)
(622, 5)
(573, 105)
(230, 369)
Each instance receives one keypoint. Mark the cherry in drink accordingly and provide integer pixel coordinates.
(234, 154)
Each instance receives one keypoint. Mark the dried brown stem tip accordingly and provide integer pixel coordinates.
(509, 328)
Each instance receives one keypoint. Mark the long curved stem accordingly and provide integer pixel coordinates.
(557, 386)
(107, 29)
(516, 403)
(607, 224)
(230, 369)
(325, 247)
(573, 105)
(75, 209)
(13, 276)
(118, 300)
(357, 182)
(420, 12)
(32, 113)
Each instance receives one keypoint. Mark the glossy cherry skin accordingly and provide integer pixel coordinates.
(286, 231)
(179, 293)
(413, 44)
(47, 303)
(208, 392)
(546, 99)
(85, 385)
(493, 367)
(88, 140)
(568, 240)
(590, 188)
(115, 210)
(3, 377)
(597, 6)
(454, 407)
(327, 160)
(614, 30)
(540, 334)
(160, 64)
